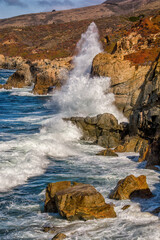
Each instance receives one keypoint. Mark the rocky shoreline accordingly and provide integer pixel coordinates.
(44, 75)
(135, 82)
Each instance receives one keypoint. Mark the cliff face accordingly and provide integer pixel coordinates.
(130, 62)
(134, 68)
(145, 119)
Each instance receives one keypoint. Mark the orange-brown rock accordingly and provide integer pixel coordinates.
(51, 190)
(108, 152)
(21, 78)
(126, 78)
(131, 186)
(59, 236)
(133, 144)
(80, 201)
(143, 153)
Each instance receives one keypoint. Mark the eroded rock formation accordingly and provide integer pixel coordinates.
(102, 129)
(80, 201)
(131, 186)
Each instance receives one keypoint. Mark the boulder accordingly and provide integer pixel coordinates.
(21, 78)
(131, 186)
(102, 129)
(80, 201)
(52, 188)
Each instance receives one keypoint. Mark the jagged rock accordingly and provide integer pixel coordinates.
(108, 152)
(51, 190)
(126, 78)
(59, 236)
(102, 129)
(21, 78)
(52, 75)
(153, 154)
(45, 75)
(131, 186)
(133, 144)
(145, 119)
(80, 201)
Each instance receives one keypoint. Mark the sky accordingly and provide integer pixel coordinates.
(10, 8)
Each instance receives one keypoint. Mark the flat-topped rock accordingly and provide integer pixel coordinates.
(77, 202)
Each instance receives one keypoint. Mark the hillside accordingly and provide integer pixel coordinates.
(107, 9)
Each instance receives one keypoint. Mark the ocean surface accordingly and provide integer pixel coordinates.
(37, 147)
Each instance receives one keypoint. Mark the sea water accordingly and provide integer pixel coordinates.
(38, 147)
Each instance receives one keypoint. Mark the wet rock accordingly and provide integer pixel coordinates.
(51, 190)
(77, 202)
(145, 120)
(50, 229)
(102, 129)
(59, 236)
(21, 78)
(156, 211)
(125, 207)
(108, 152)
(132, 144)
(153, 154)
(126, 78)
(131, 186)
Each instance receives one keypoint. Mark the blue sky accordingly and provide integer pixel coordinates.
(10, 8)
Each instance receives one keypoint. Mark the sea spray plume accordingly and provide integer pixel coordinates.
(88, 46)
(83, 95)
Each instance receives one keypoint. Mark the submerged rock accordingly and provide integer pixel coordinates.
(131, 186)
(108, 152)
(80, 201)
(59, 236)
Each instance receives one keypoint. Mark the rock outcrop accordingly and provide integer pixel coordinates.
(80, 201)
(51, 75)
(21, 78)
(102, 129)
(126, 78)
(129, 62)
(130, 187)
(132, 144)
(44, 75)
(145, 119)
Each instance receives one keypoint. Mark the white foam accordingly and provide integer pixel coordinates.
(84, 95)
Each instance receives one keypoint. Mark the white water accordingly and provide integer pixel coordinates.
(84, 95)
(57, 150)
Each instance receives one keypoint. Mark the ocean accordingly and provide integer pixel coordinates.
(37, 147)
